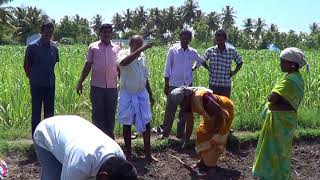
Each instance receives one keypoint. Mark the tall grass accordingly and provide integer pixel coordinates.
(251, 86)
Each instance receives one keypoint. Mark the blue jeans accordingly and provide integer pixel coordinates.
(104, 104)
(41, 95)
(50, 167)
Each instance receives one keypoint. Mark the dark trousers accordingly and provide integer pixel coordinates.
(169, 115)
(222, 91)
(41, 95)
(104, 104)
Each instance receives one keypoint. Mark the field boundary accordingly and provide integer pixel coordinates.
(236, 141)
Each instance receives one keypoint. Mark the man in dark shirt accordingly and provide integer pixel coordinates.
(39, 62)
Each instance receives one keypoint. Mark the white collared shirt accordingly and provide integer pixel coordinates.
(77, 144)
(179, 64)
(133, 77)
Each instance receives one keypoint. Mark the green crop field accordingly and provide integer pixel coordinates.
(251, 86)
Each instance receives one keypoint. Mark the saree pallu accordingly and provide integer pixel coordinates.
(210, 145)
(274, 149)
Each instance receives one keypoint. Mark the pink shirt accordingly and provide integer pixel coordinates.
(104, 64)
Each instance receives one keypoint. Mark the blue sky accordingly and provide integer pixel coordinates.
(287, 14)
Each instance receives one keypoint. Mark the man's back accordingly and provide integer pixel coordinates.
(76, 143)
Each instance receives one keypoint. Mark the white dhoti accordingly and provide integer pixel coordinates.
(134, 109)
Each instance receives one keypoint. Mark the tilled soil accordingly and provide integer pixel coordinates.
(233, 164)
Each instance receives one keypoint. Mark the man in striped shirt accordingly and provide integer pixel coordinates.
(220, 59)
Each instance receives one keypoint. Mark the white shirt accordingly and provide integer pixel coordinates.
(77, 144)
(133, 77)
(179, 63)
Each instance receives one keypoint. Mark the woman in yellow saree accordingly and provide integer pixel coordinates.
(274, 149)
(217, 115)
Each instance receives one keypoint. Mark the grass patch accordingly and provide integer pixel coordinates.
(157, 144)
(11, 134)
(24, 147)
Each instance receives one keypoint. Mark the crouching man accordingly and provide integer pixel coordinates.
(69, 147)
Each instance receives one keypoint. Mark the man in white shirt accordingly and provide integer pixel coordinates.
(180, 63)
(69, 147)
(135, 94)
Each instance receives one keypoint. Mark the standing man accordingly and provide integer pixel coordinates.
(39, 62)
(71, 148)
(102, 59)
(178, 72)
(220, 60)
(135, 94)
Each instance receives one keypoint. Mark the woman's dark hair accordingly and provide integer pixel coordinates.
(296, 65)
(119, 168)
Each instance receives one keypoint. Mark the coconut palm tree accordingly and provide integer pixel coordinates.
(259, 28)
(314, 27)
(228, 17)
(28, 21)
(190, 8)
(81, 28)
(4, 1)
(128, 22)
(171, 19)
(5, 13)
(273, 28)
(155, 18)
(248, 26)
(96, 23)
(157, 22)
(118, 23)
(213, 19)
(139, 18)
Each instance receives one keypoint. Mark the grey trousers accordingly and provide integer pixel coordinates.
(169, 115)
(104, 104)
(51, 168)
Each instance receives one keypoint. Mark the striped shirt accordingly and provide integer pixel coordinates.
(220, 65)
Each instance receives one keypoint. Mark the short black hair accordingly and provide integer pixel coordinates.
(221, 32)
(187, 32)
(47, 24)
(105, 26)
(119, 168)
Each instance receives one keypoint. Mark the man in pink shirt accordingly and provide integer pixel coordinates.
(102, 59)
